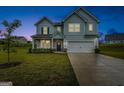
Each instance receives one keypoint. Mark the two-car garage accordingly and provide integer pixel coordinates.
(80, 46)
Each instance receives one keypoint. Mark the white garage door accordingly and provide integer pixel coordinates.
(78, 46)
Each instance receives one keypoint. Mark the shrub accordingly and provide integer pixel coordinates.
(64, 50)
(97, 50)
(20, 45)
(13, 50)
(30, 50)
(40, 50)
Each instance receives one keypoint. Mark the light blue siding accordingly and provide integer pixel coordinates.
(45, 23)
(52, 29)
(84, 27)
(58, 34)
(90, 21)
(74, 19)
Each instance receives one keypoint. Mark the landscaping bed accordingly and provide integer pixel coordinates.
(40, 50)
(9, 64)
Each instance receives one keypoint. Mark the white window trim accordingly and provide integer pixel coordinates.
(73, 27)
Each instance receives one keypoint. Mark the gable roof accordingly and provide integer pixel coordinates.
(44, 18)
(76, 12)
(73, 13)
(58, 33)
(57, 23)
(89, 13)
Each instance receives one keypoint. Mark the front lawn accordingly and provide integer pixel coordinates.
(114, 50)
(38, 69)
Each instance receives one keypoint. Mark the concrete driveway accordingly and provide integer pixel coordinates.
(96, 69)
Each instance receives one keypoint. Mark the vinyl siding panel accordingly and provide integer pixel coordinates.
(90, 21)
(74, 19)
(45, 23)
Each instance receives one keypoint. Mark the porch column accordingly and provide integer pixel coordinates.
(32, 43)
(97, 43)
(52, 43)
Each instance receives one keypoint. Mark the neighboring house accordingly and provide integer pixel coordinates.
(114, 38)
(76, 33)
(20, 39)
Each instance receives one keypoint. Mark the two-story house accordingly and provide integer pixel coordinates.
(115, 38)
(76, 33)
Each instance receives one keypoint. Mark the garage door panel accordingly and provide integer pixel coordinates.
(81, 47)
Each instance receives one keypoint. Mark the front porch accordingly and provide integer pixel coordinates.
(49, 43)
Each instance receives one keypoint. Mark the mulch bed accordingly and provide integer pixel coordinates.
(8, 65)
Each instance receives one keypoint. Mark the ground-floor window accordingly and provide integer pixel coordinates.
(45, 43)
(36, 43)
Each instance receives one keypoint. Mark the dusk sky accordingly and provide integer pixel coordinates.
(110, 17)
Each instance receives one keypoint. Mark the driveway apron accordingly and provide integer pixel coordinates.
(97, 70)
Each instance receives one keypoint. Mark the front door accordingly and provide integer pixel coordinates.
(58, 46)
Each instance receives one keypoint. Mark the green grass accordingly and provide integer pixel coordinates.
(114, 50)
(38, 69)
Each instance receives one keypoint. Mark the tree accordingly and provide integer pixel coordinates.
(101, 37)
(112, 31)
(7, 33)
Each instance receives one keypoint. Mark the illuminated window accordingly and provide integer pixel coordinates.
(59, 28)
(74, 27)
(77, 27)
(90, 27)
(45, 30)
(45, 43)
(71, 27)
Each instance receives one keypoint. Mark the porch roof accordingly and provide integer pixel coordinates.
(42, 36)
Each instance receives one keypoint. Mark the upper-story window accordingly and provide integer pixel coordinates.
(59, 28)
(74, 27)
(90, 27)
(45, 30)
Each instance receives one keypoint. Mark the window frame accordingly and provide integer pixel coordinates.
(72, 27)
(90, 27)
(45, 44)
(60, 29)
(45, 28)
